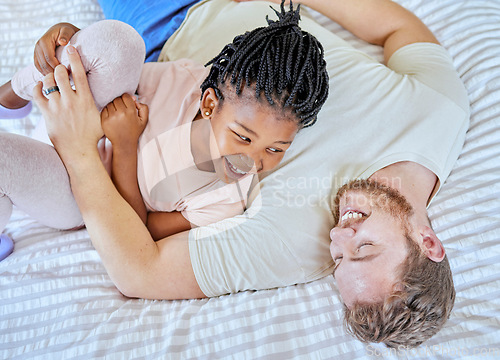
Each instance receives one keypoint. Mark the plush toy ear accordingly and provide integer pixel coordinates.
(432, 246)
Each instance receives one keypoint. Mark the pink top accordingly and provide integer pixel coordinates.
(168, 177)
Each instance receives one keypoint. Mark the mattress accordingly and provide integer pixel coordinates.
(57, 302)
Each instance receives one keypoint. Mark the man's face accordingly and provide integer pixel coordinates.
(368, 242)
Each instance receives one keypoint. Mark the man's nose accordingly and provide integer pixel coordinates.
(338, 234)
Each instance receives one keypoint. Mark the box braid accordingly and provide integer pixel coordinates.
(281, 60)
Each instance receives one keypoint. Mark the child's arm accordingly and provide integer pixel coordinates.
(45, 48)
(163, 224)
(123, 121)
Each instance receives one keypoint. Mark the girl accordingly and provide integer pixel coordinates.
(191, 164)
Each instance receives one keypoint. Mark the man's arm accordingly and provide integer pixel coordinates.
(138, 266)
(380, 22)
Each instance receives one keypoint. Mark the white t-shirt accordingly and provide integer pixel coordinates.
(415, 109)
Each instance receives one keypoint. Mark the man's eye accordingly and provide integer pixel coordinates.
(336, 264)
(363, 245)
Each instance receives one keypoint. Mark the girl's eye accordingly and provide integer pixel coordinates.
(274, 150)
(244, 138)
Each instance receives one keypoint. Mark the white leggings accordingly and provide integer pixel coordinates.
(32, 176)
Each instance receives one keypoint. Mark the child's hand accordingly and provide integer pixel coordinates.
(45, 48)
(124, 120)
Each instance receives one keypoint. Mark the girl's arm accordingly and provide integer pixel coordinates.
(123, 121)
(163, 224)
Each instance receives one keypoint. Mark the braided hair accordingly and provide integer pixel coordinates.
(281, 60)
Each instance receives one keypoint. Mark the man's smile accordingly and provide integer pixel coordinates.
(352, 214)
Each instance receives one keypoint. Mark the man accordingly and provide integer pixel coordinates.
(389, 264)
(402, 125)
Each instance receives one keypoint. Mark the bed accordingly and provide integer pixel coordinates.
(57, 302)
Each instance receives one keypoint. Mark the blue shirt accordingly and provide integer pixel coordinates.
(154, 20)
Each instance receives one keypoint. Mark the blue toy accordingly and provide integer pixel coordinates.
(6, 246)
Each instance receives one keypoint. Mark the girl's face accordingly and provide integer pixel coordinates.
(251, 136)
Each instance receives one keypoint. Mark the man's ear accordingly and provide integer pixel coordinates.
(209, 102)
(431, 245)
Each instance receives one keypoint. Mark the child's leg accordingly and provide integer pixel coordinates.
(34, 179)
(112, 54)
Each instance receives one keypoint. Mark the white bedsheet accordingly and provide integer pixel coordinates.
(57, 302)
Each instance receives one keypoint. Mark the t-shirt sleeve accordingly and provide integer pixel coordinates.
(444, 116)
(251, 251)
(431, 65)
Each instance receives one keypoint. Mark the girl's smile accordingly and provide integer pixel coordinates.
(250, 136)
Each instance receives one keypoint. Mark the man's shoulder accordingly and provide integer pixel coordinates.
(431, 65)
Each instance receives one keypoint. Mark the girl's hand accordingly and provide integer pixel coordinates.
(124, 120)
(45, 48)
